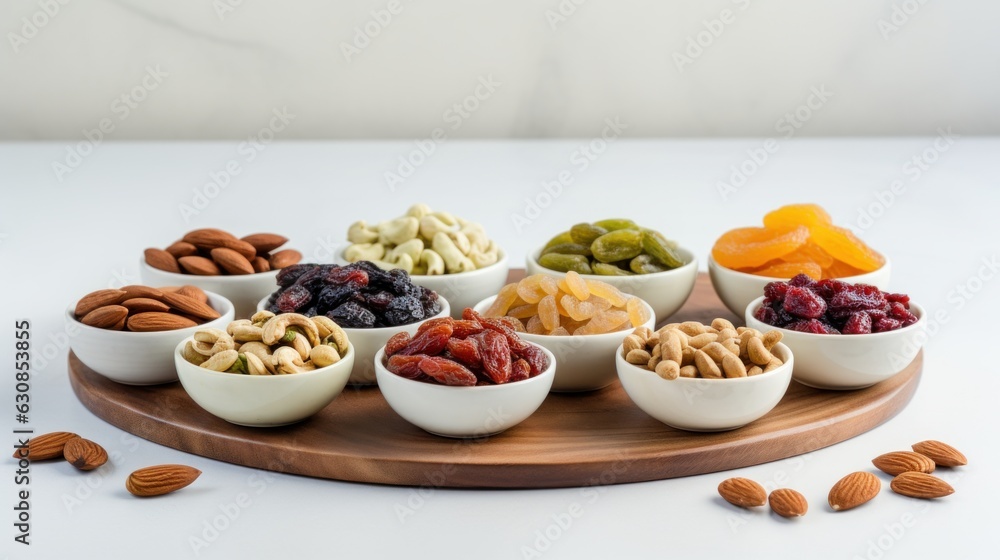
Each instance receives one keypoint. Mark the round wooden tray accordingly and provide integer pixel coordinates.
(572, 440)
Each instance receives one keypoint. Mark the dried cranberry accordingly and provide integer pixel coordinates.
(766, 315)
(804, 303)
(812, 326)
(899, 298)
(801, 281)
(886, 324)
(775, 291)
(858, 323)
(859, 297)
(827, 287)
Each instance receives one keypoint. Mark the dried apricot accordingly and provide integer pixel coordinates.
(797, 215)
(754, 246)
(846, 247)
(790, 269)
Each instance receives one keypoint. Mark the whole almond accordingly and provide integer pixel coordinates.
(788, 503)
(84, 454)
(199, 265)
(231, 261)
(160, 479)
(46, 446)
(208, 239)
(286, 257)
(853, 490)
(137, 291)
(265, 242)
(158, 258)
(100, 298)
(105, 317)
(742, 492)
(920, 485)
(942, 454)
(899, 462)
(193, 292)
(143, 305)
(155, 321)
(190, 306)
(260, 264)
(182, 249)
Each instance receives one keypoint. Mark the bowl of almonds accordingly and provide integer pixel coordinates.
(704, 378)
(241, 269)
(128, 334)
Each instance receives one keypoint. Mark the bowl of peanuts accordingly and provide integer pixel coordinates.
(704, 378)
(588, 319)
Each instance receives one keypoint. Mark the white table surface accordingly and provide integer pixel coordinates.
(61, 239)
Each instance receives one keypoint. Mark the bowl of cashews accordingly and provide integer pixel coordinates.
(441, 252)
(269, 370)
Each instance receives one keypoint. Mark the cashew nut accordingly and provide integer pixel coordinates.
(454, 260)
(324, 355)
(412, 248)
(209, 342)
(287, 360)
(247, 332)
(445, 217)
(418, 210)
(432, 261)
(430, 225)
(364, 252)
(256, 366)
(261, 317)
(400, 230)
(360, 232)
(331, 332)
(221, 361)
(261, 351)
(274, 328)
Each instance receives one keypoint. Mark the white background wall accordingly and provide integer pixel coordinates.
(562, 68)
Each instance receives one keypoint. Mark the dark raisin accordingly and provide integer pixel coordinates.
(288, 275)
(352, 315)
(403, 311)
(292, 299)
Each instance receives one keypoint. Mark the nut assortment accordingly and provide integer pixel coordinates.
(571, 305)
(691, 349)
(214, 252)
(269, 344)
(422, 242)
(144, 309)
(613, 247)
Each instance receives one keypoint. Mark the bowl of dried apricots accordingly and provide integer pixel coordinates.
(795, 239)
(580, 320)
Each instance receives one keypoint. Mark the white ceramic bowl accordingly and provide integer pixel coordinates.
(706, 405)
(737, 289)
(243, 290)
(137, 358)
(263, 400)
(848, 361)
(464, 289)
(665, 291)
(463, 412)
(585, 362)
(367, 342)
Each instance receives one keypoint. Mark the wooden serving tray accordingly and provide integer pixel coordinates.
(572, 440)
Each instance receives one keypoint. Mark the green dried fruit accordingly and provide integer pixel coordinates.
(606, 269)
(616, 224)
(585, 234)
(661, 249)
(569, 249)
(560, 239)
(646, 264)
(617, 245)
(564, 263)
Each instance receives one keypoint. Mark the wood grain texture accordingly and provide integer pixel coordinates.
(572, 440)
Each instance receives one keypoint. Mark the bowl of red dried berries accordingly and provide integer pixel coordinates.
(844, 336)
(369, 303)
(465, 378)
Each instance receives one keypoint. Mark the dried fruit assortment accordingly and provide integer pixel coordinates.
(613, 247)
(214, 252)
(358, 295)
(833, 307)
(269, 344)
(691, 349)
(422, 242)
(572, 305)
(796, 239)
(144, 309)
(474, 350)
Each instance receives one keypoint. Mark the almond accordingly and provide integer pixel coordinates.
(105, 317)
(136, 291)
(161, 479)
(208, 239)
(231, 261)
(920, 485)
(190, 306)
(265, 242)
(182, 249)
(158, 258)
(899, 462)
(260, 264)
(788, 503)
(100, 298)
(143, 305)
(156, 321)
(193, 292)
(199, 265)
(84, 454)
(743, 492)
(942, 454)
(284, 258)
(853, 490)
(46, 446)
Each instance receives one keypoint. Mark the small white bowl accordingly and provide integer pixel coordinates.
(367, 342)
(737, 289)
(244, 290)
(585, 362)
(137, 358)
(263, 400)
(463, 289)
(463, 412)
(706, 405)
(848, 361)
(664, 291)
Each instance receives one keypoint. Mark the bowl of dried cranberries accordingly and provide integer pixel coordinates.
(844, 336)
